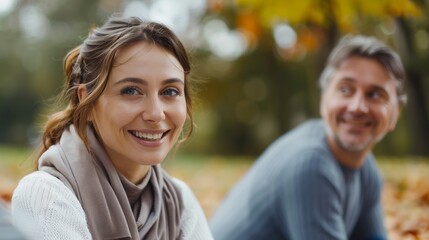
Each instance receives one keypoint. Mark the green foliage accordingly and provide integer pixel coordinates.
(31, 65)
(291, 74)
(346, 13)
(243, 104)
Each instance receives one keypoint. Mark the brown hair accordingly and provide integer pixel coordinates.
(90, 64)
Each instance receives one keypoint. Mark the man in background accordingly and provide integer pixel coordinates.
(320, 180)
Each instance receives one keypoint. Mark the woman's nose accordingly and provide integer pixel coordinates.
(153, 110)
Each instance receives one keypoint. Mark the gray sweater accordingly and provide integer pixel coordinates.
(297, 190)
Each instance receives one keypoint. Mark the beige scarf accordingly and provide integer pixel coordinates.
(115, 208)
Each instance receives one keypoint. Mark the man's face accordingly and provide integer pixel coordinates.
(360, 105)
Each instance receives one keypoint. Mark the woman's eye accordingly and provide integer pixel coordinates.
(170, 92)
(130, 91)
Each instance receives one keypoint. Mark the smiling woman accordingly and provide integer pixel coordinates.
(99, 173)
(142, 111)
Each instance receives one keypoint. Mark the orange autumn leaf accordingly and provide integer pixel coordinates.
(247, 23)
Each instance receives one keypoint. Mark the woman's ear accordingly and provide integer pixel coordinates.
(81, 92)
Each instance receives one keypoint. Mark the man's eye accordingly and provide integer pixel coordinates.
(130, 91)
(377, 95)
(374, 94)
(345, 90)
(170, 92)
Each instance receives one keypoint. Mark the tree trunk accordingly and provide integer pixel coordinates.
(418, 117)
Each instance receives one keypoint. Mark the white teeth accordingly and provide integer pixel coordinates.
(357, 122)
(363, 121)
(147, 136)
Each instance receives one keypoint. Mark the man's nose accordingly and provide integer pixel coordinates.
(358, 103)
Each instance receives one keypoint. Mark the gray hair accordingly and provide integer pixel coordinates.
(368, 47)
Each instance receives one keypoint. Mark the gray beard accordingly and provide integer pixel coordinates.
(350, 147)
(355, 148)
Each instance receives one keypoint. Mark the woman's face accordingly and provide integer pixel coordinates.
(140, 114)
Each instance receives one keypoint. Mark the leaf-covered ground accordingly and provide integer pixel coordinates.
(405, 194)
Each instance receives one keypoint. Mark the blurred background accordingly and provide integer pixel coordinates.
(255, 64)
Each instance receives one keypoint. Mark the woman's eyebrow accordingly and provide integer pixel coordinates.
(174, 80)
(144, 82)
(131, 80)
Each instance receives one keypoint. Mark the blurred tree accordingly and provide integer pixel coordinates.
(408, 36)
(35, 37)
(318, 26)
(250, 97)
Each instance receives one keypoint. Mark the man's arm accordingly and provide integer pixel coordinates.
(370, 225)
(312, 199)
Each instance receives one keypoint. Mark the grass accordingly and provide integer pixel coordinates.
(14, 162)
(405, 193)
(12, 154)
(210, 177)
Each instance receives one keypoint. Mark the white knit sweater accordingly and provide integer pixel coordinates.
(44, 208)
